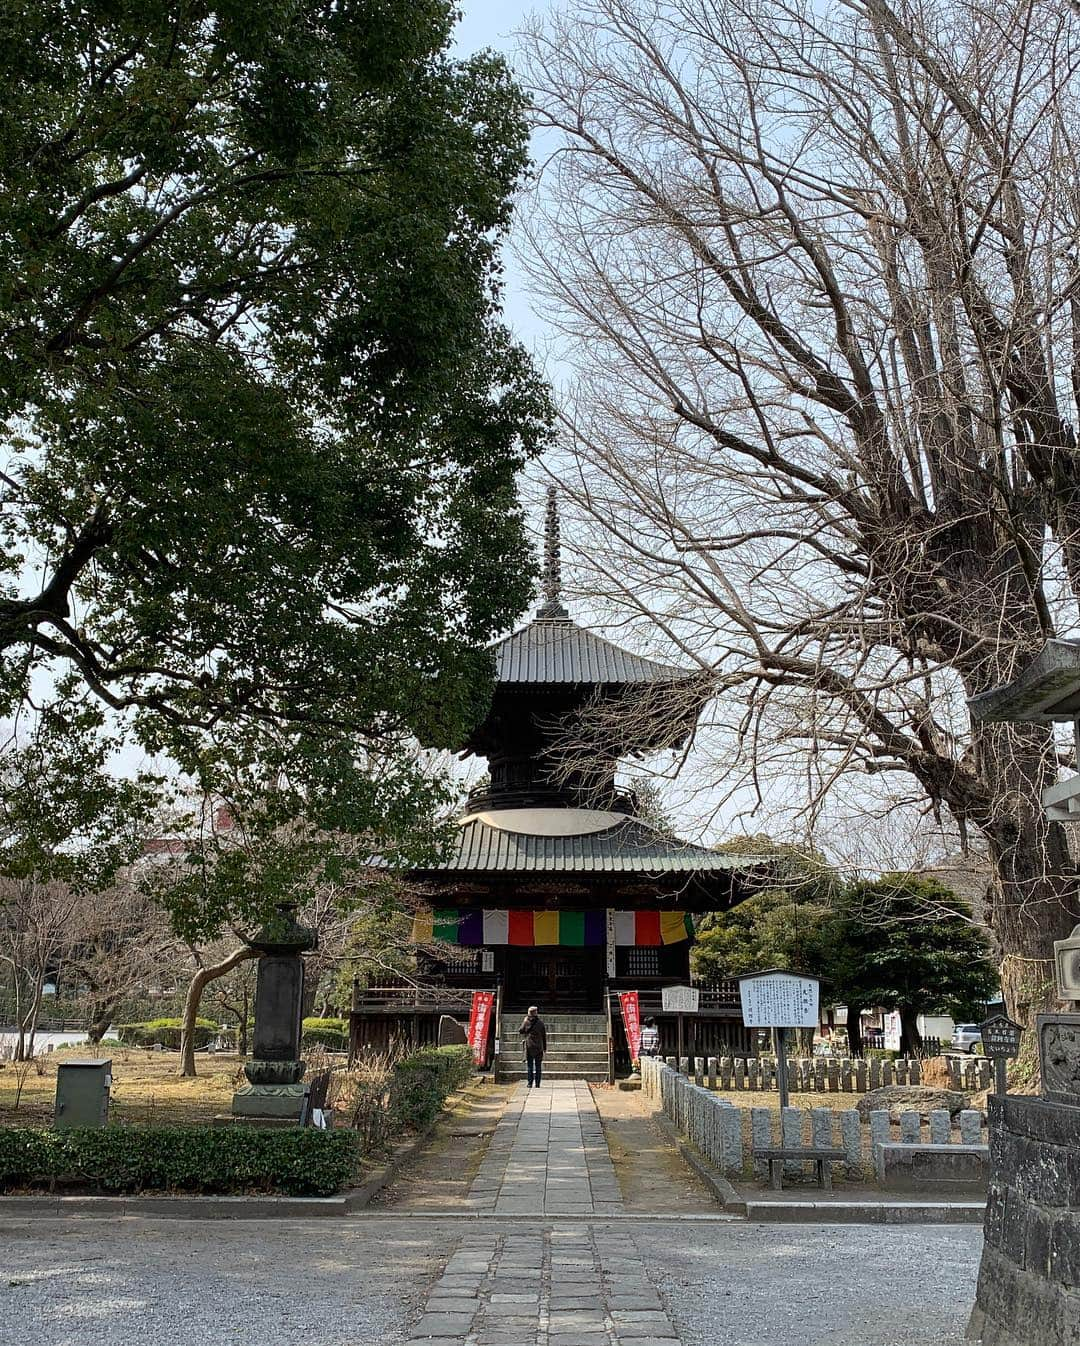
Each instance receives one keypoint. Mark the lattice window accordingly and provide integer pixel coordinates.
(642, 962)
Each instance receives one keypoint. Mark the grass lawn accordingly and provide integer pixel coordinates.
(146, 1088)
(769, 1098)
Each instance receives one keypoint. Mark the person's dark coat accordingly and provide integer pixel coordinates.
(533, 1035)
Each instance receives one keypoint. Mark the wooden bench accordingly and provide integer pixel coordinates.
(821, 1157)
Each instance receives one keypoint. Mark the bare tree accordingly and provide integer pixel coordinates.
(35, 927)
(816, 267)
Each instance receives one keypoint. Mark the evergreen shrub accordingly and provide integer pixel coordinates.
(165, 1033)
(300, 1161)
(422, 1081)
(332, 1033)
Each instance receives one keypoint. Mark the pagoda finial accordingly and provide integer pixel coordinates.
(551, 575)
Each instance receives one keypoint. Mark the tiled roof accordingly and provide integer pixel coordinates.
(559, 651)
(629, 848)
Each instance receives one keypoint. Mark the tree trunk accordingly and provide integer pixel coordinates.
(1035, 893)
(202, 978)
(854, 1030)
(910, 1037)
(101, 1016)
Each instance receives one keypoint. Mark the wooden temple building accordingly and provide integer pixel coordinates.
(557, 893)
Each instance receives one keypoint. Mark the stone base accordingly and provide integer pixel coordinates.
(1029, 1280)
(285, 1101)
(267, 1123)
(932, 1168)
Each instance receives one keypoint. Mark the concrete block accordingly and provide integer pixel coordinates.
(925, 1168)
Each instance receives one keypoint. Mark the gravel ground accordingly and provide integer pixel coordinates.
(324, 1282)
(817, 1285)
(359, 1281)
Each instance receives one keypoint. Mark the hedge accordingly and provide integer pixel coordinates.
(295, 1161)
(333, 1033)
(422, 1081)
(165, 1032)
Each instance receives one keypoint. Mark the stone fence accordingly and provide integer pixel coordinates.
(726, 1134)
(829, 1074)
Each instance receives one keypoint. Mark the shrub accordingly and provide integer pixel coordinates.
(296, 1161)
(165, 1033)
(332, 1033)
(422, 1081)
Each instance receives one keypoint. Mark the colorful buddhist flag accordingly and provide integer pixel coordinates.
(595, 929)
(520, 928)
(646, 929)
(571, 929)
(567, 929)
(624, 928)
(674, 927)
(471, 928)
(440, 924)
(546, 927)
(496, 927)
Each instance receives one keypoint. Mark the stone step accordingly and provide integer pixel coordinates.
(567, 1023)
(552, 1073)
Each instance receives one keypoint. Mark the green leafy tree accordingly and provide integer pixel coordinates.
(260, 417)
(905, 944)
(778, 926)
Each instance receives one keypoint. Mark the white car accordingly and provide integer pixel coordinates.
(966, 1038)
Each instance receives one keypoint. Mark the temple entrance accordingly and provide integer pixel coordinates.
(559, 980)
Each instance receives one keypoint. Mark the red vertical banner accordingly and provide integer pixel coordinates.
(479, 1023)
(631, 1017)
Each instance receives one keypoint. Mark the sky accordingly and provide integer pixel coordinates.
(493, 23)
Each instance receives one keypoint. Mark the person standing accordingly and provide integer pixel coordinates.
(534, 1044)
(650, 1038)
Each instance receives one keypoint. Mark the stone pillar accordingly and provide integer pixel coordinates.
(274, 1091)
(821, 1127)
(851, 1135)
(940, 1126)
(712, 1072)
(731, 1127)
(860, 1077)
(910, 1128)
(791, 1133)
(880, 1128)
(761, 1135)
(970, 1126)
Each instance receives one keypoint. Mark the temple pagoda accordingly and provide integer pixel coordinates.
(556, 892)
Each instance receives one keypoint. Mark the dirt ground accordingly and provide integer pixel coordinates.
(145, 1089)
(441, 1175)
(651, 1172)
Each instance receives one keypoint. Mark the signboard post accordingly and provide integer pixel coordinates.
(1001, 1042)
(893, 1030)
(680, 1000)
(780, 1000)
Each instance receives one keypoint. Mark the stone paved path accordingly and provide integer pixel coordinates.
(573, 1286)
(548, 1156)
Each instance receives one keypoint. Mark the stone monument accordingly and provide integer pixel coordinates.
(274, 1093)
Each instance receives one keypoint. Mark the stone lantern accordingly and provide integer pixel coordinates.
(274, 1093)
